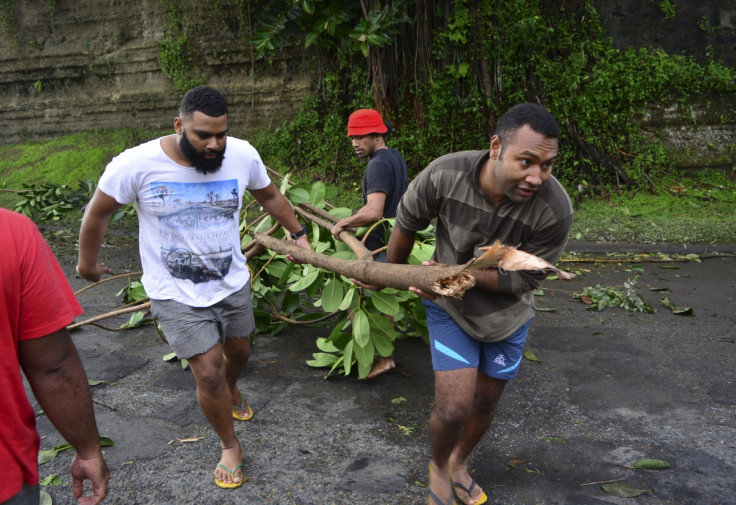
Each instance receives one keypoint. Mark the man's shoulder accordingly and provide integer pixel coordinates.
(8, 217)
(459, 160)
(453, 167)
(241, 146)
(388, 156)
(556, 199)
(144, 150)
(554, 190)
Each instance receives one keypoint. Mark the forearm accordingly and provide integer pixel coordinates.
(399, 246)
(284, 214)
(364, 217)
(60, 385)
(486, 279)
(278, 207)
(91, 234)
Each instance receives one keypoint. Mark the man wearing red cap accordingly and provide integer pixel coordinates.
(384, 183)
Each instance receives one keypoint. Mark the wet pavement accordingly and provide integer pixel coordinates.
(609, 387)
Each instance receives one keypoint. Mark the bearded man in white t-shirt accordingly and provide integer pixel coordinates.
(187, 189)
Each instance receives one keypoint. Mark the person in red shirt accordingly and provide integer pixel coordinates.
(37, 304)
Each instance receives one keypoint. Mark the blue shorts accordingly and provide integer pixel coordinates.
(452, 348)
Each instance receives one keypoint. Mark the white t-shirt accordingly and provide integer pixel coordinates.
(189, 236)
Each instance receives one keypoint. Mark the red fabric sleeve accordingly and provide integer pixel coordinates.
(47, 301)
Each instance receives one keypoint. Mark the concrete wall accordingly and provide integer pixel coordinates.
(93, 64)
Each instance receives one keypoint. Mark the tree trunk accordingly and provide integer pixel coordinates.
(440, 280)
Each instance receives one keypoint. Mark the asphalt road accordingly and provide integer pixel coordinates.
(609, 387)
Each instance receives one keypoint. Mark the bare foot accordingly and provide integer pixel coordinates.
(381, 365)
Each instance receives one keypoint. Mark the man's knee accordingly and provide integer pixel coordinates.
(485, 405)
(451, 413)
(237, 350)
(209, 371)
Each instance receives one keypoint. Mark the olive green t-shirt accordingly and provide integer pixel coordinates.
(449, 189)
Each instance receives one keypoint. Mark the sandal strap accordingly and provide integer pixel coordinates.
(437, 500)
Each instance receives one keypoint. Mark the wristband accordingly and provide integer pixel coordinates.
(300, 233)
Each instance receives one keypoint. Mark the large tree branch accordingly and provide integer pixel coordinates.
(353, 243)
(441, 280)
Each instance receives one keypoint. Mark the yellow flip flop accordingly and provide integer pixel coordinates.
(233, 484)
(242, 406)
(469, 490)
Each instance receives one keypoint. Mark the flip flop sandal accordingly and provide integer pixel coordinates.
(434, 497)
(242, 406)
(233, 484)
(437, 500)
(481, 499)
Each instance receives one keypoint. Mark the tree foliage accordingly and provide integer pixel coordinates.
(445, 71)
(364, 324)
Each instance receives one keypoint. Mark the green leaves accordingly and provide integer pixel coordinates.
(623, 490)
(51, 480)
(306, 281)
(332, 23)
(385, 303)
(48, 201)
(378, 27)
(678, 311)
(367, 323)
(626, 491)
(332, 295)
(361, 328)
(172, 357)
(599, 297)
(650, 464)
(50, 454)
(133, 292)
(136, 319)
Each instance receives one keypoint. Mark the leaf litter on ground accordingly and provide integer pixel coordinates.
(600, 297)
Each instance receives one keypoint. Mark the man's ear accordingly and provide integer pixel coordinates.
(178, 126)
(495, 147)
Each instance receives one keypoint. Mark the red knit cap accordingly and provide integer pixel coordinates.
(365, 121)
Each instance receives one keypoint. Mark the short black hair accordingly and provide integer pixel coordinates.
(204, 99)
(537, 117)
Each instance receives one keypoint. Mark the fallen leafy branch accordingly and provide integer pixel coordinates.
(126, 310)
(441, 280)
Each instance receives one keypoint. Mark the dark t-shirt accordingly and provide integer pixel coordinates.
(386, 172)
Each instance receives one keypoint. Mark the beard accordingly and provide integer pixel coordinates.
(198, 159)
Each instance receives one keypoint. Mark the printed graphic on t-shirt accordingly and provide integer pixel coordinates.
(196, 225)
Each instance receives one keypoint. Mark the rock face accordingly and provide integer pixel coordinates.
(695, 29)
(91, 64)
(679, 27)
(73, 65)
(709, 142)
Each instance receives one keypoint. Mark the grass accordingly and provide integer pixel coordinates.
(685, 208)
(64, 160)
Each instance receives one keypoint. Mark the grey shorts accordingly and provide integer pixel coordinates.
(28, 495)
(196, 330)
